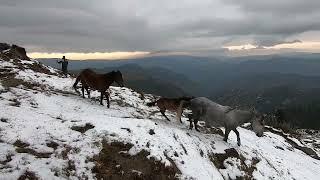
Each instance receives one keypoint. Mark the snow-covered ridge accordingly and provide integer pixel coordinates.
(39, 111)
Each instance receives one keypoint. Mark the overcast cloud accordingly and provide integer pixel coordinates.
(147, 25)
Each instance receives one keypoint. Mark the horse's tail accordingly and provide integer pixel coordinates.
(183, 104)
(180, 110)
(151, 103)
(76, 83)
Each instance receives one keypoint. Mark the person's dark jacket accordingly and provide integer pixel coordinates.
(64, 66)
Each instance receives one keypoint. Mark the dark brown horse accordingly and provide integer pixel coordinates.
(171, 104)
(100, 82)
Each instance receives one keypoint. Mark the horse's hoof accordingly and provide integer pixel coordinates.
(198, 130)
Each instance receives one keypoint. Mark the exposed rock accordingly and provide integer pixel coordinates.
(4, 46)
(20, 52)
(15, 52)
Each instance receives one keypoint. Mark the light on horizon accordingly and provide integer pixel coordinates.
(308, 46)
(88, 56)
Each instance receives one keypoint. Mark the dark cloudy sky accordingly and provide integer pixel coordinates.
(185, 26)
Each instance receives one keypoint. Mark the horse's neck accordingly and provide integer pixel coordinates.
(243, 116)
(109, 78)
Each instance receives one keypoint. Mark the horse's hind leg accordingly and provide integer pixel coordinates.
(163, 113)
(226, 134)
(180, 111)
(238, 136)
(108, 101)
(193, 118)
(75, 84)
(88, 91)
(195, 122)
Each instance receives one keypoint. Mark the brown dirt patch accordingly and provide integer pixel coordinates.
(151, 132)
(20, 144)
(65, 151)
(22, 147)
(4, 72)
(70, 169)
(28, 175)
(127, 129)
(52, 144)
(11, 81)
(8, 159)
(38, 67)
(33, 152)
(114, 163)
(5, 120)
(218, 160)
(15, 102)
(84, 128)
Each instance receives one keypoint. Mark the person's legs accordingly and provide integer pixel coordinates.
(65, 73)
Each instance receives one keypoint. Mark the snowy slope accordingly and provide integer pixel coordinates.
(44, 108)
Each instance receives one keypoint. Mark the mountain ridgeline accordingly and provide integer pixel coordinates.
(287, 82)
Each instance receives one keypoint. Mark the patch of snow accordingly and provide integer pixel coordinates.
(7, 64)
(295, 140)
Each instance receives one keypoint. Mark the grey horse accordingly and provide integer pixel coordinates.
(214, 114)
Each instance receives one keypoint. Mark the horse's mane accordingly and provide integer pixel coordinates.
(108, 74)
(186, 98)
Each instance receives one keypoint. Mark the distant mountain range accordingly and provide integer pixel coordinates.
(267, 82)
(154, 80)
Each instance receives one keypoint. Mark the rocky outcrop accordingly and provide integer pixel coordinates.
(4, 46)
(13, 51)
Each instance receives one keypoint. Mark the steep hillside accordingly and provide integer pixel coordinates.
(49, 132)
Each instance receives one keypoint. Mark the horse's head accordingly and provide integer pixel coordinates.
(118, 78)
(257, 123)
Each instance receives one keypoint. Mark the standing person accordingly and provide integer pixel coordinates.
(64, 63)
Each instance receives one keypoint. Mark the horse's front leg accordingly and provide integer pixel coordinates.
(190, 120)
(238, 136)
(163, 113)
(226, 134)
(82, 89)
(108, 101)
(101, 98)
